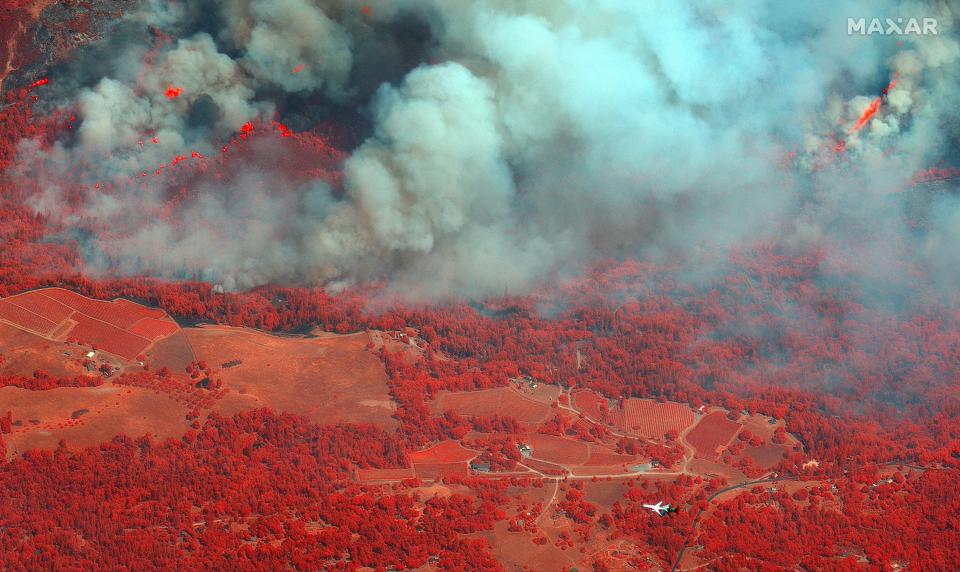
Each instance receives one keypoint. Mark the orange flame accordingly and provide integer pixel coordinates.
(874, 106)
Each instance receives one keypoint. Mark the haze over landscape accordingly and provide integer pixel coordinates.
(450, 284)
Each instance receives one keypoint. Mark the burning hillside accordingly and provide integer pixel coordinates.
(424, 145)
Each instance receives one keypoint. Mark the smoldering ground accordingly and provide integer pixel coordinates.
(503, 142)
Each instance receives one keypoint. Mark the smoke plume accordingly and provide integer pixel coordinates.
(500, 142)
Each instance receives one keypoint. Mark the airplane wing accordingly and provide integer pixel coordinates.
(658, 508)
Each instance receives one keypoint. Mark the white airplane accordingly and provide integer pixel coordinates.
(660, 508)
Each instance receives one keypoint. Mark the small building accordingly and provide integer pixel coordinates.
(481, 467)
(90, 355)
(525, 450)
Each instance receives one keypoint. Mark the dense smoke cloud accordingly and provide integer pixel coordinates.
(510, 140)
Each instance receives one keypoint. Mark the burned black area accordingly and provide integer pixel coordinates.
(74, 44)
(385, 52)
(204, 112)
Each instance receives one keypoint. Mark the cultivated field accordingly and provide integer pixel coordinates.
(122, 328)
(651, 419)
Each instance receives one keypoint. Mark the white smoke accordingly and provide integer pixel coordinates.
(527, 137)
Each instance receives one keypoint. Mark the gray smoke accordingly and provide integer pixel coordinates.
(510, 140)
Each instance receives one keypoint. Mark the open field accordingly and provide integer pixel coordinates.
(604, 457)
(503, 401)
(711, 468)
(332, 378)
(443, 452)
(766, 456)
(173, 352)
(517, 551)
(377, 476)
(327, 379)
(604, 493)
(591, 403)
(545, 467)
(24, 352)
(433, 471)
(88, 416)
(602, 460)
(558, 450)
(539, 392)
(712, 434)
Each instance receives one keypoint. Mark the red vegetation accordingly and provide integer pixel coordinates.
(229, 497)
(40, 381)
(892, 525)
(781, 331)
